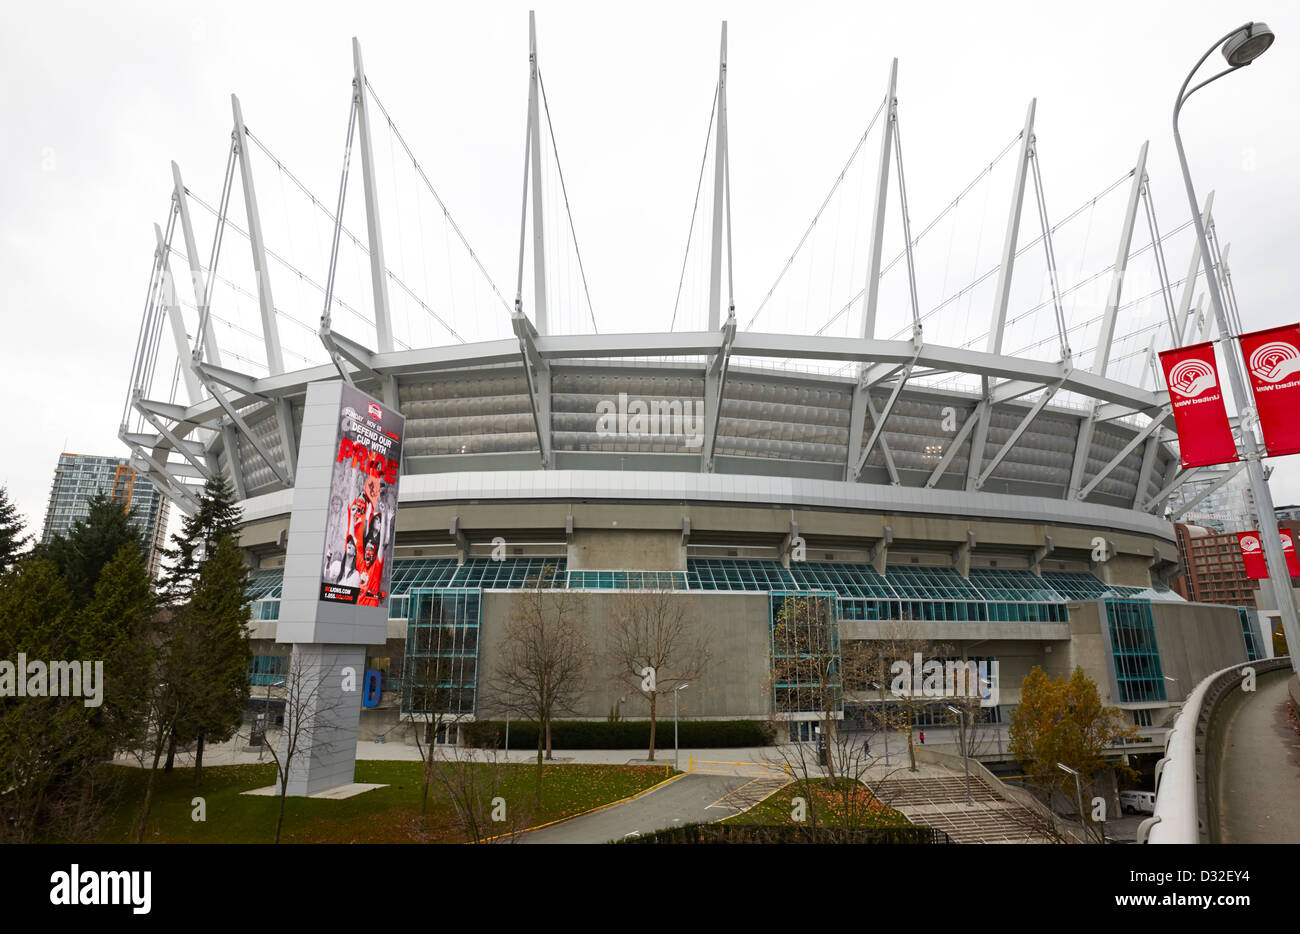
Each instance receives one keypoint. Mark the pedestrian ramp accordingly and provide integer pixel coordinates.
(750, 793)
(744, 769)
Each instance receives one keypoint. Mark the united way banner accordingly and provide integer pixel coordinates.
(1204, 435)
(1273, 361)
(1252, 552)
(1288, 549)
(362, 521)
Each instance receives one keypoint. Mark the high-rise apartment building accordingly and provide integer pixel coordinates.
(1218, 503)
(78, 478)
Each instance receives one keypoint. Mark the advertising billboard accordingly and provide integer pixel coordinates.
(362, 519)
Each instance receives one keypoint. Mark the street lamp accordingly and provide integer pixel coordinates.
(266, 715)
(965, 761)
(1241, 47)
(677, 752)
(884, 718)
(1078, 790)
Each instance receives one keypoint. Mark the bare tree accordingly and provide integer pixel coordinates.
(544, 660)
(812, 673)
(896, 641)
(475, 781)
(654, 647)
(808, 668)
(310, 710)
(435, 691)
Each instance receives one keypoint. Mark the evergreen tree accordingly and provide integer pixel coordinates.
(214, 626)
(119, 626)
(12, 540)
(54, 749)
(216, 517)
(91, 544)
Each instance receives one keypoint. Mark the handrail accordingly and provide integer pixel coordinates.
(1176, 818)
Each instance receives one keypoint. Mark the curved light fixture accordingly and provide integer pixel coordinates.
(1248, 44)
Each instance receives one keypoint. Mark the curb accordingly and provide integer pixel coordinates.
(601, 807)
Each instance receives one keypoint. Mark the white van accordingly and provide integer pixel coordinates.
(1138, 802)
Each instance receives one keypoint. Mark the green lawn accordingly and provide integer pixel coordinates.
(849, 804)
(384, 815)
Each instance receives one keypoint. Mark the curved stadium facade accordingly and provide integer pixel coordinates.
(1011, 508)
(1010, 570)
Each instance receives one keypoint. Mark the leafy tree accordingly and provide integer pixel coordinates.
(1063, 721)
(91, 544)
(12, 540)
(216, 517)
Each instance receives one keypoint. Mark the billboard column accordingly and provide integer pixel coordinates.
(337, 568)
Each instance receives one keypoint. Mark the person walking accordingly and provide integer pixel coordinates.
(923, 737)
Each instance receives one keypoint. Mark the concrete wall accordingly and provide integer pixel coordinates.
(734, 685)
(848, 534)
(1196, 640)
(614, 549)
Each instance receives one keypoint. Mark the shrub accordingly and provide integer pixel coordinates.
(621, 734)
(760, 833)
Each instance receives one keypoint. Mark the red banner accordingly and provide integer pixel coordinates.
(1273, 361)
(1204, 436)
(1288, 549)
(1252, 552)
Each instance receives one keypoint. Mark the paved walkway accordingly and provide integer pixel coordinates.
(685, 800)
(1259, 785)
(237, 752)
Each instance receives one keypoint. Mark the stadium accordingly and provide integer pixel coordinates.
(925, 458)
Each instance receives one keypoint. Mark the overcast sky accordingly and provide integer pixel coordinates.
(99, 98)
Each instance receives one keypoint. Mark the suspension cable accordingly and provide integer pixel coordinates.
(391, 275)
(550, 127)
(216, 242)
(338, 224)
(699, 185)
(1049, 251)
(817, 216)
(429, 185)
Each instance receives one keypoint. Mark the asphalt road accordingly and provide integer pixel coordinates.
(683, 801)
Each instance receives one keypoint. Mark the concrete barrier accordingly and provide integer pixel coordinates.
(1183, 776)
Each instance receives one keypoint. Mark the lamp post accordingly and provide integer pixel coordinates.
(965, 761)
(1241, 47)
(997, 726)
(884, 718)
(266, 715)
(1078, 790)
(677, 752)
